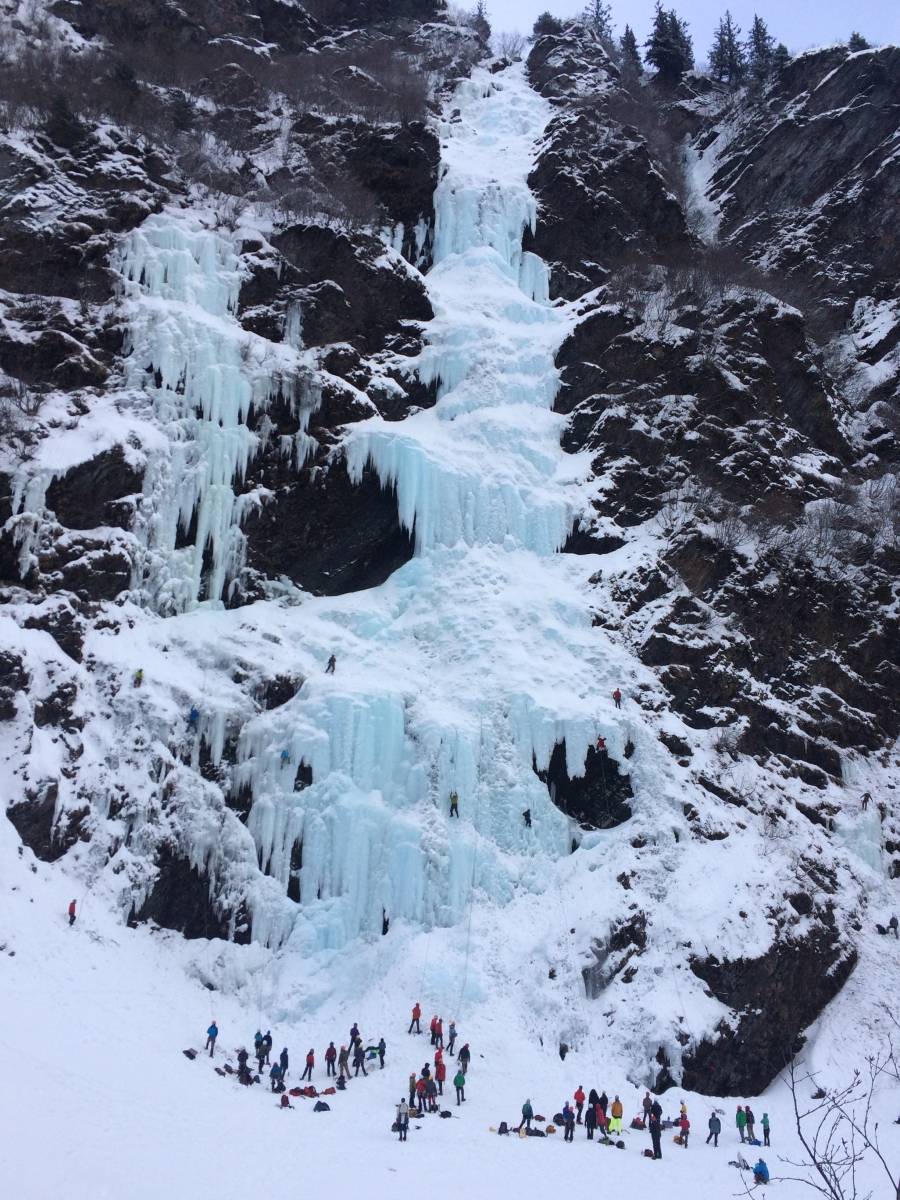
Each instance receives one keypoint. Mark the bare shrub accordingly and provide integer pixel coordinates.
(510, 44)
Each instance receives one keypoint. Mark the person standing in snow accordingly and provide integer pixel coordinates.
(260, 1056)
(402, 1119)
(527, 1115)
(416, 1014)
(452, 1038)
(740, 1119)
(454, 805)
(440, 1074)
(310, 1063)
(211, 1034)
(465, 1056)
(71, 913)
(275, 1078)
(568, 1116)
(332, 663)
(330, 1056)
(765, 1125)
(421, 1084)
(617, 697)
(344, 1063)
(359, 1059)
(579, 1102)
(433, 1028)
(655, 1132)
(590, 1121)
(892, 924)
(715, 1128)
(412, 1088)
(648, 1104)
(267, 1045)
(431, 1095)
(604, 1101)
(751, 1121)
(382, 1047)
(283, 1061)
(354, 1032)
(685, 1127)
(615, 1124)
(459, 1082)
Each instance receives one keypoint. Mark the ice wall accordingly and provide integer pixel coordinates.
(201, 374)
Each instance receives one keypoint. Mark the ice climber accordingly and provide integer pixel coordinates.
(193, 717)
(526, 817)
(332, 663)
(715, 1128)
(330, 1056)
(601, 745)
(892, 923)
(71, 913)
(617, 697)
(402, 1119)
(416, 1015)
(579, 1102)
(211, 1034)
(454, 805)
(459, 1082)
(866, 797)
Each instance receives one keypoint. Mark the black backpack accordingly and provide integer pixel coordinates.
(321, 1106)
(504, 1128)
(446, 1113)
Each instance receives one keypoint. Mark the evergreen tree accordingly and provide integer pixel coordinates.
(858, 42)
(760, 50)
(478, 20)
(632, 67)
(546, 23)
(599, 16)
(781, 56)
(669, 47)
(726, 58)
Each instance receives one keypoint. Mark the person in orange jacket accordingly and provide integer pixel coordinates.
(579, 1103)
(310, 1063)
(615, 1118)
(440, 1074)
(416, 1014)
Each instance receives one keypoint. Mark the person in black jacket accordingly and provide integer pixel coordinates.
(590, 1120)
(655, 1134)
(283, 1060)
(359, 1058)
(715, 1128)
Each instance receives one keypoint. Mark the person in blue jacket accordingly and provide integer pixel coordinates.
(275, 1075)
(211, 1034)
(761, 1172)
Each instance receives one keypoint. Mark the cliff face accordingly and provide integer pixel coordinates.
(617, 409)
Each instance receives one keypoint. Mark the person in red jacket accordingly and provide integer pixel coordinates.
(579, 1102)
(617, 696)
(439, 1033)
(308, 1069)
(685, 1127)
(420, 1095)
(330, 1056)
(601, 745)
(72, 913)
(440, 1074)
(433, 1028)
(416, 1014)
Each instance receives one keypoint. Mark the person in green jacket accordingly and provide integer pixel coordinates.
(527, 1114)
(740, 1119)
(765, 1125)
(459, 1082)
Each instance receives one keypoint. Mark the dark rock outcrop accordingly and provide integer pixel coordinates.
(598, 799)
(184, 900)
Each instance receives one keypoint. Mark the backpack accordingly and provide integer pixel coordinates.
(504, 1128)
(536, 1133)
(648, 1154)
(446, 1113)
(192, 1054)
(395, 1128)
(321, 1106)
(559, 1119)
(550, 1129)
(296, 1092)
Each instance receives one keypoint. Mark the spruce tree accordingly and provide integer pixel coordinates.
(781, 56)
(478, 20)
(599, 16)
(760, 51)
(858, 42)
(546, 23)
(726, 58)
(669, 47)
(632, 67)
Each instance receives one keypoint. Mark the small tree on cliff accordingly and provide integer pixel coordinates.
(727, 61)
(669, 47)
(632, 67)
(760, 51)
(546, 23)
